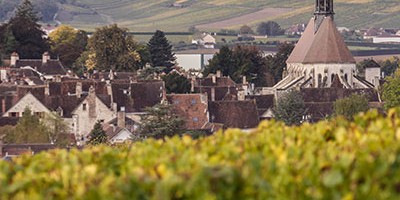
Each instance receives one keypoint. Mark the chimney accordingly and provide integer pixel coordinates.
(214, 79)
(244, 80)
(3, 105)
(121, 118)
(219, 73)
(45, 57)
(47, 89)
(213, 94)
(78, 89)
(14, 59)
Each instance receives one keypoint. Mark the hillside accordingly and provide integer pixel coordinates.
(179, 15)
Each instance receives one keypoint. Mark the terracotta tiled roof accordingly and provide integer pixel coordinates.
(190, 107)
(11, 121)
(324, 46)
(264, 102)
(234, 114)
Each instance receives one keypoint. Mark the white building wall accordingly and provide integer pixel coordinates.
(88, 113)
(193, 61)
(27, 101)
(373, 75)
(386, 40)
(324, 70)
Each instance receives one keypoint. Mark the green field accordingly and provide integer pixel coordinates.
(149, 15)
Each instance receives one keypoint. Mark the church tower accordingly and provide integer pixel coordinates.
(321, 58)
(323, 8)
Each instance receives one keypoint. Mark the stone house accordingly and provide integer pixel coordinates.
(217, 87)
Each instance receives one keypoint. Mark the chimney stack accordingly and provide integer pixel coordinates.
(45, 57)
(14, 59)
(214, 79)
(121, 118)
(78, 89)
(213, 94)
(3, 105)
(219, 74)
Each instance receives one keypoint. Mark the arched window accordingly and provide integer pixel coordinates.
(319, 80)
(345, 77)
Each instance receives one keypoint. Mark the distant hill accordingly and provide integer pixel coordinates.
(179, 15)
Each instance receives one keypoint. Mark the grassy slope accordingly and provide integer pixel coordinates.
(148, 15)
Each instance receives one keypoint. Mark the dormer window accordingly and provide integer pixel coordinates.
(84, 107)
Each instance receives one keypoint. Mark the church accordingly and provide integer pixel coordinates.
(321, 58)
(322, 68)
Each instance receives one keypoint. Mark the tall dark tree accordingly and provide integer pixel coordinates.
(270, 28)
(277, 63)
(161, 51)
(113, 48)
(240, 61)
(97, 135)
(222, 61)
(176, 83)
(26, 30)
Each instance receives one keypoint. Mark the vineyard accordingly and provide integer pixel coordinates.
(333, 159)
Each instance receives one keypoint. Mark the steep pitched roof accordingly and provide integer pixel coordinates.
(51, 67)
(324, 46)
(234, 114)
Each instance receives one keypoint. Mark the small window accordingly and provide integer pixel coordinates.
(194, 101)
(84, 106)
(13, 114)
(102, 121)
(176, 102)
(195, 119)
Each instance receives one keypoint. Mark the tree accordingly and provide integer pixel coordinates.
(277, 63)
(350, 106)
(68, 44)
(57, 130)
(246, 30)
(290, 108)
(28, 130)
(97, 135)
(161, 52)
(160, 122)
(391, 91)
(24, 26)
(176, 83)
(389, 66)
(270, 28)
(240, 61)
(113, 48)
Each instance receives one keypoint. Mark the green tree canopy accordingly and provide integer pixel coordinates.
(389, 66)
(68, 44)
(277, 63)
(290, 108)
(350, 106)
(112, 47)
(240, 61)
(97, 135)
(160, 122)
(161, 51)
(391, 91)
(176, 83)
(28, 35)
(270, 28)
(246, 30)
(28, 130)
